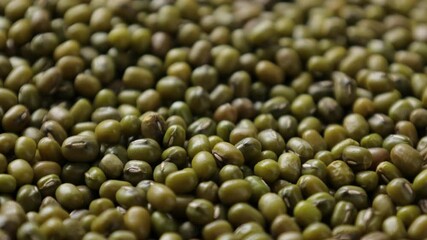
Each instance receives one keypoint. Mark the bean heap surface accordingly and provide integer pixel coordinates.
(213, 119)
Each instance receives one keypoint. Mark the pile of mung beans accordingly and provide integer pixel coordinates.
(213, 119)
